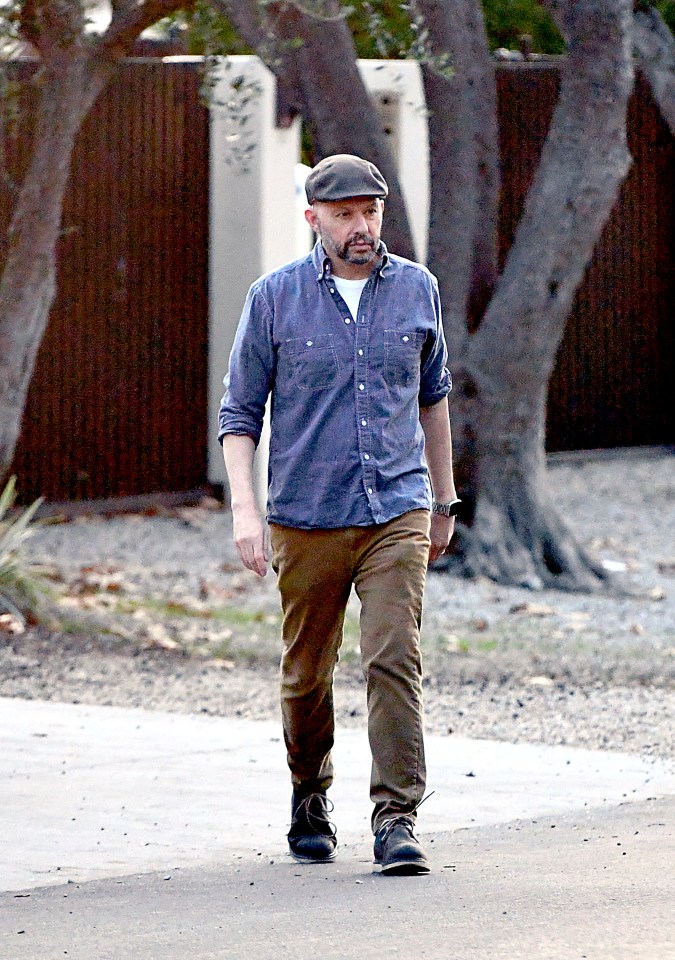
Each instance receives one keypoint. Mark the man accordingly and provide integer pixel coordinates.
(348, 341)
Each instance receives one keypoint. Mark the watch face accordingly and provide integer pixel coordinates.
(447, 509)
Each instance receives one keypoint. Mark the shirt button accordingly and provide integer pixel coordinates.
(347, 320)
(332, 289)
(370, 489)
(360, 353)
(366, 456)
(405, 339)
(364, 423)
(309, 343)
(361, 387)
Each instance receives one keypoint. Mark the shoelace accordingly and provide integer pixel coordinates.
(405, 819)
(312, 819)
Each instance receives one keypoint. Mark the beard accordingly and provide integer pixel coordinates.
(347, 252)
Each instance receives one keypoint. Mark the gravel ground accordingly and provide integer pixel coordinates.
(154, 611)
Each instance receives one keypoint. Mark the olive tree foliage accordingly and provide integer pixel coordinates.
(503, 326)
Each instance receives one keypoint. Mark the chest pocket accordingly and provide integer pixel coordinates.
(402, 357)
(312, 361)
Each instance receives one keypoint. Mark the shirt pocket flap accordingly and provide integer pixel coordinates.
(312, 361)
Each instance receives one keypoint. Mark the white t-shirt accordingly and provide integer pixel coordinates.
(350, 291)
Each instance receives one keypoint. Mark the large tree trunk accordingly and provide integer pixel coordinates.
(464, 164)
(74, 72)
(28, 282)
(464, 194)
(517, 534)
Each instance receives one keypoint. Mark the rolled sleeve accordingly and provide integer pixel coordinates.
(435, 378)
(251, 371)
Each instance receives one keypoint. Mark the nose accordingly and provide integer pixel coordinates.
(361, 224)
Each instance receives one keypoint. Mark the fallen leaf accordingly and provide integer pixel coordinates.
(532, 609)
(11, 625)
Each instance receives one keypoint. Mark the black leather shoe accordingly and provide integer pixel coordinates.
(397, 850)
(312, 837)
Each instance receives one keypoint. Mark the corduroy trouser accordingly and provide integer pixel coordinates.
(386, 564)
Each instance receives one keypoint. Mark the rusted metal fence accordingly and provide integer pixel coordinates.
(613, 382)
(117, 404)
(118, 401)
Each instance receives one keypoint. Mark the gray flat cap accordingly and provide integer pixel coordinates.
(342, 176)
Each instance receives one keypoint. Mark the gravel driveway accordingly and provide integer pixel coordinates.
(159, 614)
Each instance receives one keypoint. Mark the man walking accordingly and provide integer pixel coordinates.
(348, 341)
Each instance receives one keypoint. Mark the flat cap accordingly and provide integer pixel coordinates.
(344, 175)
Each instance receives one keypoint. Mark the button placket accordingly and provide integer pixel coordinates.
(361, 374)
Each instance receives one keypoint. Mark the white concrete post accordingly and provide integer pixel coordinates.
(396, 87)
(253, 217)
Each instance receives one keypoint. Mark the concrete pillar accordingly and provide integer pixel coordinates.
(396, 87)
(253, 216)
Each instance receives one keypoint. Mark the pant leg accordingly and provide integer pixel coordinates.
(314, 578)
(390, 584)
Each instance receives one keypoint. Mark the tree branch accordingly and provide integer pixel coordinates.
(464, 164)
(655, 48)
(130, 20)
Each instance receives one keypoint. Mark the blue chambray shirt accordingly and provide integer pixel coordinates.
(347, 447)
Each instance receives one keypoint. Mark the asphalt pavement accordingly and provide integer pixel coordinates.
(131, 834)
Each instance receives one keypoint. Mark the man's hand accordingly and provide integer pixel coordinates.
(251, 538)
(442, 529)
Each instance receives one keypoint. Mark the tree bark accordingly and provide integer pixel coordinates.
(464, 194)
(517, 534)
(464, 165)
(28, 283)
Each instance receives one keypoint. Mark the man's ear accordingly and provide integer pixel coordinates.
(310, 217)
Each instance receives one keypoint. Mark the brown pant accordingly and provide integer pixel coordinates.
(387, 565)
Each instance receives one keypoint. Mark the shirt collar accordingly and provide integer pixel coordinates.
(323, 265)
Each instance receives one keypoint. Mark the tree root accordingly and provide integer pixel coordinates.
(529, 545)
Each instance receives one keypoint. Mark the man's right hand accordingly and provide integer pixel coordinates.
(251, 538)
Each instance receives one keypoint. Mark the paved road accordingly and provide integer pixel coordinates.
(140, 835)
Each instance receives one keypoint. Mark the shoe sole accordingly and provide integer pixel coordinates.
(403, 868)
(300, 859)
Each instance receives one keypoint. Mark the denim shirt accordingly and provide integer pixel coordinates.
(347, 447)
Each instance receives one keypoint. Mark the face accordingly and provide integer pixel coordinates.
(349, 229)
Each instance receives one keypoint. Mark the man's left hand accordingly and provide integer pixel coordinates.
(442, 529)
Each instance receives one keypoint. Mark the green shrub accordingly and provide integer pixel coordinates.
(20, 593)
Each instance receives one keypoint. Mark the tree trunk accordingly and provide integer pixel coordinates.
(28, 284)
(464, 165)
(464, 194)
(74, 71)
(517, 534)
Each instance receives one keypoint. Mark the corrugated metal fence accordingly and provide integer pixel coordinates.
(117, 405)
(118, 401)
(613, 381)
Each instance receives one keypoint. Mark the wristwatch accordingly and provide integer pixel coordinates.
(449, 509)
